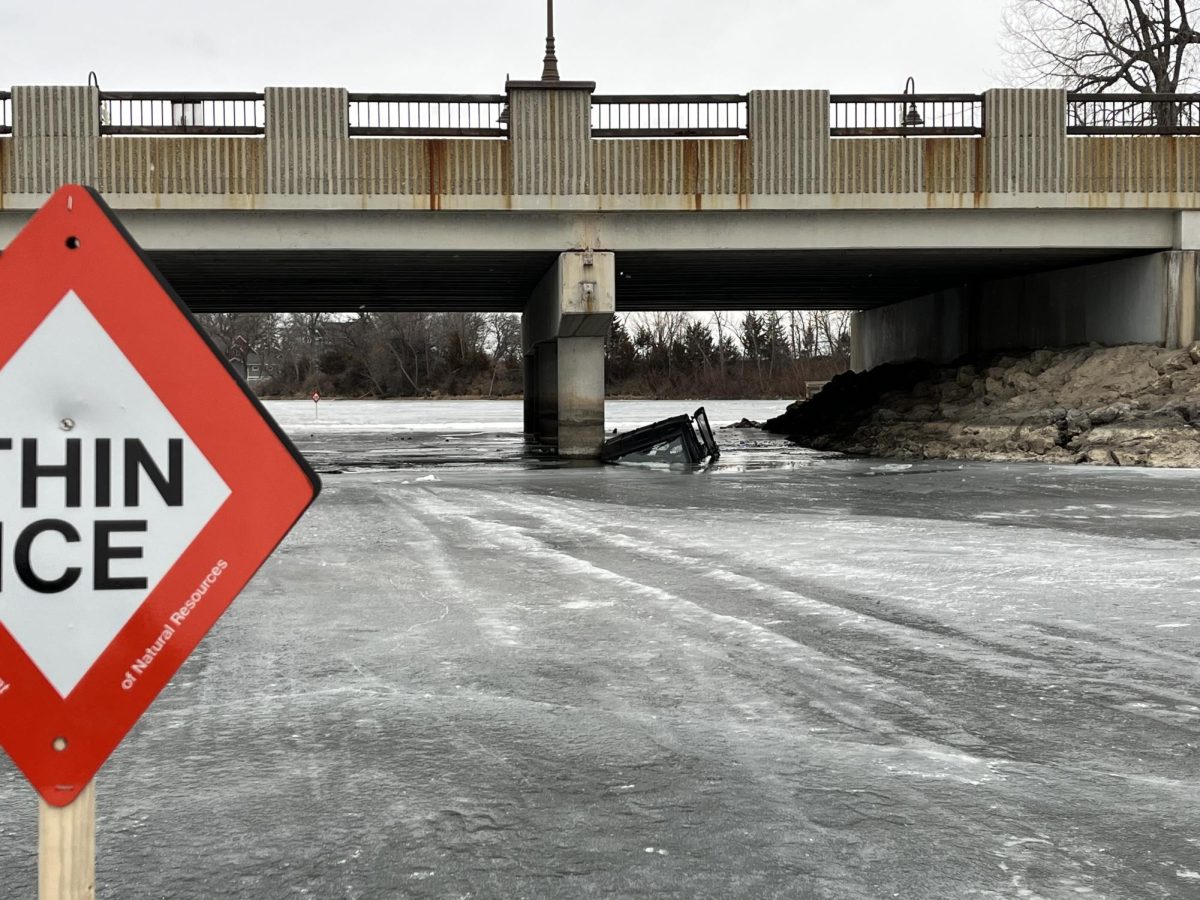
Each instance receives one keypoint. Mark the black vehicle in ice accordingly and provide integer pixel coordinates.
(679, 439)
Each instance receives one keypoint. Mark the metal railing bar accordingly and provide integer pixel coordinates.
(145, 130)
(670, 115)
(897, 98)
(182, 113)
(1133, 98)
(426, 115)
(1158, 130)
(1133, 114)
(667, 132)
(181, 96)
(419, 131)
(909, 130)
(616, 99)
(427, 98)
(883, 115)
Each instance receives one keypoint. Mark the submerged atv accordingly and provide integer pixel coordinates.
(679, 439)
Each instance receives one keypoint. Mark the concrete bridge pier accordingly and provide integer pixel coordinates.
(563, 328)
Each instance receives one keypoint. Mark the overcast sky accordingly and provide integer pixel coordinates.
(626, 46)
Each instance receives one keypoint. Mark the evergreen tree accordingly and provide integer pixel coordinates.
(775, 340)
(754, 337)
(698, 348)
(620, 356)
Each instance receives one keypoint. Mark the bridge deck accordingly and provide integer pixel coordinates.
(782, 199)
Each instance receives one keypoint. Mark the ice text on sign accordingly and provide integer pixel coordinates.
(110, 542)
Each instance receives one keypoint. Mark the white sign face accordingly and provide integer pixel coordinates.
(101, 491)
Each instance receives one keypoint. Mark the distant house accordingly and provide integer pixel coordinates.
(337, 333)
(247, 361)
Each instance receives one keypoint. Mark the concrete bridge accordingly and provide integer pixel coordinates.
(951, 222)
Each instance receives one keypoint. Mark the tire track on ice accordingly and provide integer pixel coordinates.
(830, 686)
(916, 684)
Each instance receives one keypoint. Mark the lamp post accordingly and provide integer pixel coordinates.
(550, 62)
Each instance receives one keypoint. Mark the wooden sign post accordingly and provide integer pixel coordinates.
(67, 848)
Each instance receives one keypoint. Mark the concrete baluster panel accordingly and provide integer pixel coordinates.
(550, 138)
(56, 134)
(790, 143)
(1026, 141)
(307, 141)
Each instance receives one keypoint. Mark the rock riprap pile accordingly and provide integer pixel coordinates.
(1134, 405)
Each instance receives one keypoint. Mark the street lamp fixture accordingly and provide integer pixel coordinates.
(94, 81)
(912, 118)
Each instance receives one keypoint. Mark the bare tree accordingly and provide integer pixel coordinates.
(832, 331)
(257, 330)
(1129, 46)
(504, 338)
(723, 327)
(299, 337)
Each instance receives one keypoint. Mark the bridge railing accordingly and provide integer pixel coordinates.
(427, 115)
(670, 115)
(1117, 114)
(182, 113)
(627, 115)
(881, 115)
(5, 112)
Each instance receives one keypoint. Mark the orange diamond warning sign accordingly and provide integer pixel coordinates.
(141, 486)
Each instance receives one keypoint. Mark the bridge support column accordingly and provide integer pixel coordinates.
(541, 391)
(1183, 279)
(562, 333)
(1182, 300)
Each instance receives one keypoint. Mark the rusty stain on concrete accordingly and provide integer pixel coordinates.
(981, 172)
(742, 174)
(435, 160)
(691, 171)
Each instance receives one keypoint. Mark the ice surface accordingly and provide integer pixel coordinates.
(488, 416)
(785, 675)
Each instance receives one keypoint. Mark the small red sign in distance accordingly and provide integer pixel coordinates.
(141, 487)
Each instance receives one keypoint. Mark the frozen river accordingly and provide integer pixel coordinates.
(470, 674)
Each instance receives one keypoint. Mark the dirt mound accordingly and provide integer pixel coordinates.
(1134, 405)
